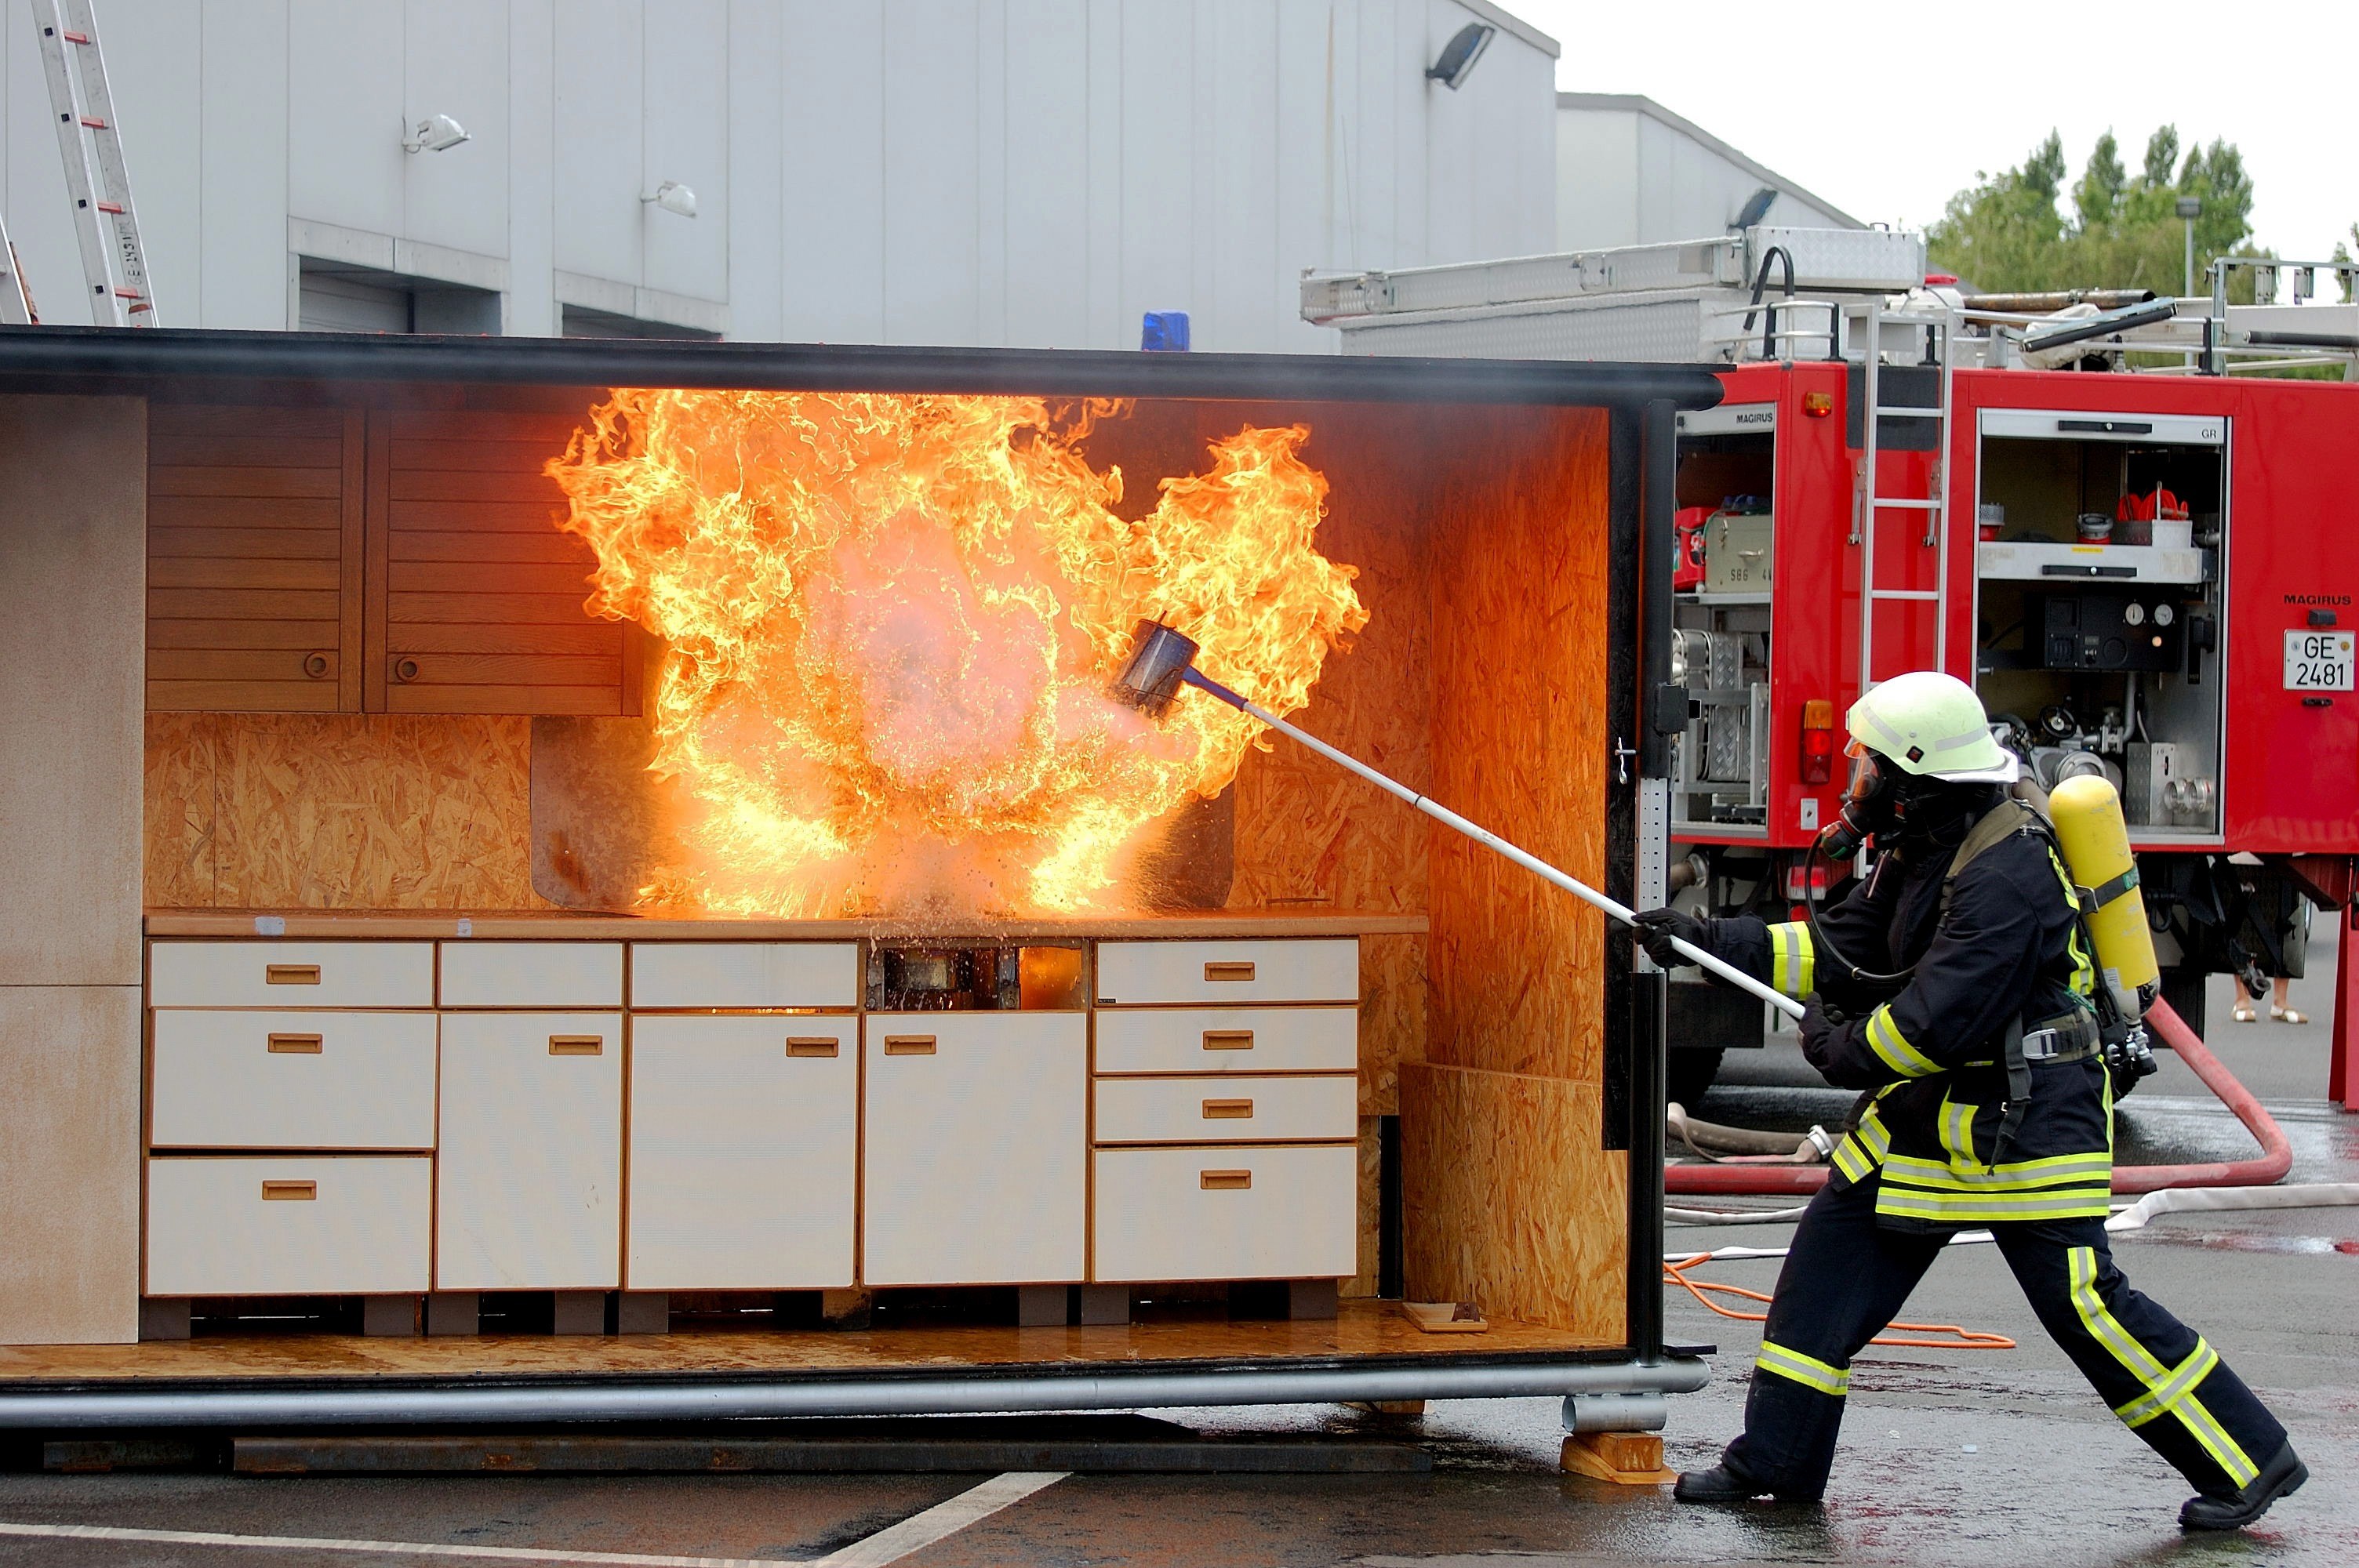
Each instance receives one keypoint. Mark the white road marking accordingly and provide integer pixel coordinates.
(889, 1545)
(393, 1548)
(945, 1519)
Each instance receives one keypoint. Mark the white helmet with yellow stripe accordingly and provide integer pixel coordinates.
(1932, 725)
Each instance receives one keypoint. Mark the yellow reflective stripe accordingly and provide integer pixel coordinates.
(1991, 1207)
(1864, 1149)
(1958, 1134)
(2085, 972)
(2080, 1264)
(2177, 1387)
(1793, 958)
(2028, 1175)
(1807, 1370)
(1884, 1037)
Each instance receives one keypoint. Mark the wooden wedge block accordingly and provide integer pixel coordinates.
(1445, 1317)
(1624, 1458)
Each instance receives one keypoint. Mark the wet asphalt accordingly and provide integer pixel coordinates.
(1950, 1458)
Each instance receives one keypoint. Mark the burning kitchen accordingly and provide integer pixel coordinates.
(632, 840)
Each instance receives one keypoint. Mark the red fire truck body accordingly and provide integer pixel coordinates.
(2202, 660)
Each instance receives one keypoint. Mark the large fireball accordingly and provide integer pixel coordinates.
(890, 623)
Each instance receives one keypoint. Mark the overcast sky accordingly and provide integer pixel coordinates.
(1885, 110)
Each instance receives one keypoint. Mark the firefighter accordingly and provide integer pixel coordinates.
(1955, 986)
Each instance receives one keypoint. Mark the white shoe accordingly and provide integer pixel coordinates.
(2244, 1013)
(2285, 1015)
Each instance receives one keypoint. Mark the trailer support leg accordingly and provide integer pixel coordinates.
(2342, 1085)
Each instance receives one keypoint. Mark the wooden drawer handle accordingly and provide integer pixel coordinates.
(1228, 1039)
(812, 1045)
(1225, 1181)
(576, 1045)
(296, 1045)
(1228, 1110)
(289, 1191)
(291, 974)
(908, 1044)
(1229, 970)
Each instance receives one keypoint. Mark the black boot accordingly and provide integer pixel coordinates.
(1724, 1483)
(2283, 1475)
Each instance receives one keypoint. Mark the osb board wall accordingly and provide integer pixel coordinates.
(1508, 1199)
(1508, 1202)
(338, 811)
(1519, 746)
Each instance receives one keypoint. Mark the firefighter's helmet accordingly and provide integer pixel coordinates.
(1932, 725)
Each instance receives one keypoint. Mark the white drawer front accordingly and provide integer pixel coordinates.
(291, 974)
(1230, 1109)
(744, 1137)
(532, 974)
(1230, 1040)
(1226, 1214)
(975, 1153)
(293, 1080)
(744, 974)
(531, 1153)
(288, 1225)
(1147, 973)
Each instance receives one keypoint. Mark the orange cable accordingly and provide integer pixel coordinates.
(1967, 1338)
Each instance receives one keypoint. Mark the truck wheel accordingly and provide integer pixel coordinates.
(1688, 1073)
(2183, 988)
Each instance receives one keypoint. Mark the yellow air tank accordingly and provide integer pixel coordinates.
(2088, 818)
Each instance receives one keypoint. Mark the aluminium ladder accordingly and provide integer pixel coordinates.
(1935, 323)
(113, 260)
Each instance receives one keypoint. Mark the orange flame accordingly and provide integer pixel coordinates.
(890, 623)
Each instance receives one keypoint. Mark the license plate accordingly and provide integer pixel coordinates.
(2319, 661)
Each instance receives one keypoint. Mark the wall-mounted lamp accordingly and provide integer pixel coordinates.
(436, 134)
(1756, 207)
(674, 197)
(1459, 55)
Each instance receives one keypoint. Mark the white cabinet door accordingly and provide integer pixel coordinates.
(1269, 1213)
(291, 974)
(744, 1140)
(1231, 1108)
(744, 974)
(292, 1080)
(1229, 1040)
(288, 1225)
(975, 1154)
(529, 1195)
(532, 974)
(1296, 970)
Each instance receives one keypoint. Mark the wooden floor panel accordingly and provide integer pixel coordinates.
(1364, 1328)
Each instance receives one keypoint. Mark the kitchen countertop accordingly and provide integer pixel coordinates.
(561, 925)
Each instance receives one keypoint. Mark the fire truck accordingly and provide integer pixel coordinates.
(2101, 509)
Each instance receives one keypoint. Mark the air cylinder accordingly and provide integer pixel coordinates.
(2087, 812)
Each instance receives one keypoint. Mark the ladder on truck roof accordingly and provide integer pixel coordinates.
(1867, 323)
(113, 260)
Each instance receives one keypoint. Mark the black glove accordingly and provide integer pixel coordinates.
(1657, 926)
(1820, 1023)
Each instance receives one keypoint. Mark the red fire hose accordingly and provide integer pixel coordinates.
(2276, 1157)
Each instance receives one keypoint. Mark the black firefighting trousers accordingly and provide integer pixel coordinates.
(1847, 1278)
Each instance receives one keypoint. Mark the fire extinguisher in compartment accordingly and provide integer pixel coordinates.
(1818, 741)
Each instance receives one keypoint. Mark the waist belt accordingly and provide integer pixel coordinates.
(2068, 1037)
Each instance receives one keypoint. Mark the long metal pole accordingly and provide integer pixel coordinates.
(1490, 840)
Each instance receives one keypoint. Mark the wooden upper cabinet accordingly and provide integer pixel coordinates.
(477, 607)
(321, 559)
(254, 559)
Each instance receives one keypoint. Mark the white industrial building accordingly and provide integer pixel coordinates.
(1631, 172)
(1026, 172)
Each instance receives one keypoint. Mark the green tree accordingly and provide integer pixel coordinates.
(2006, 234)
